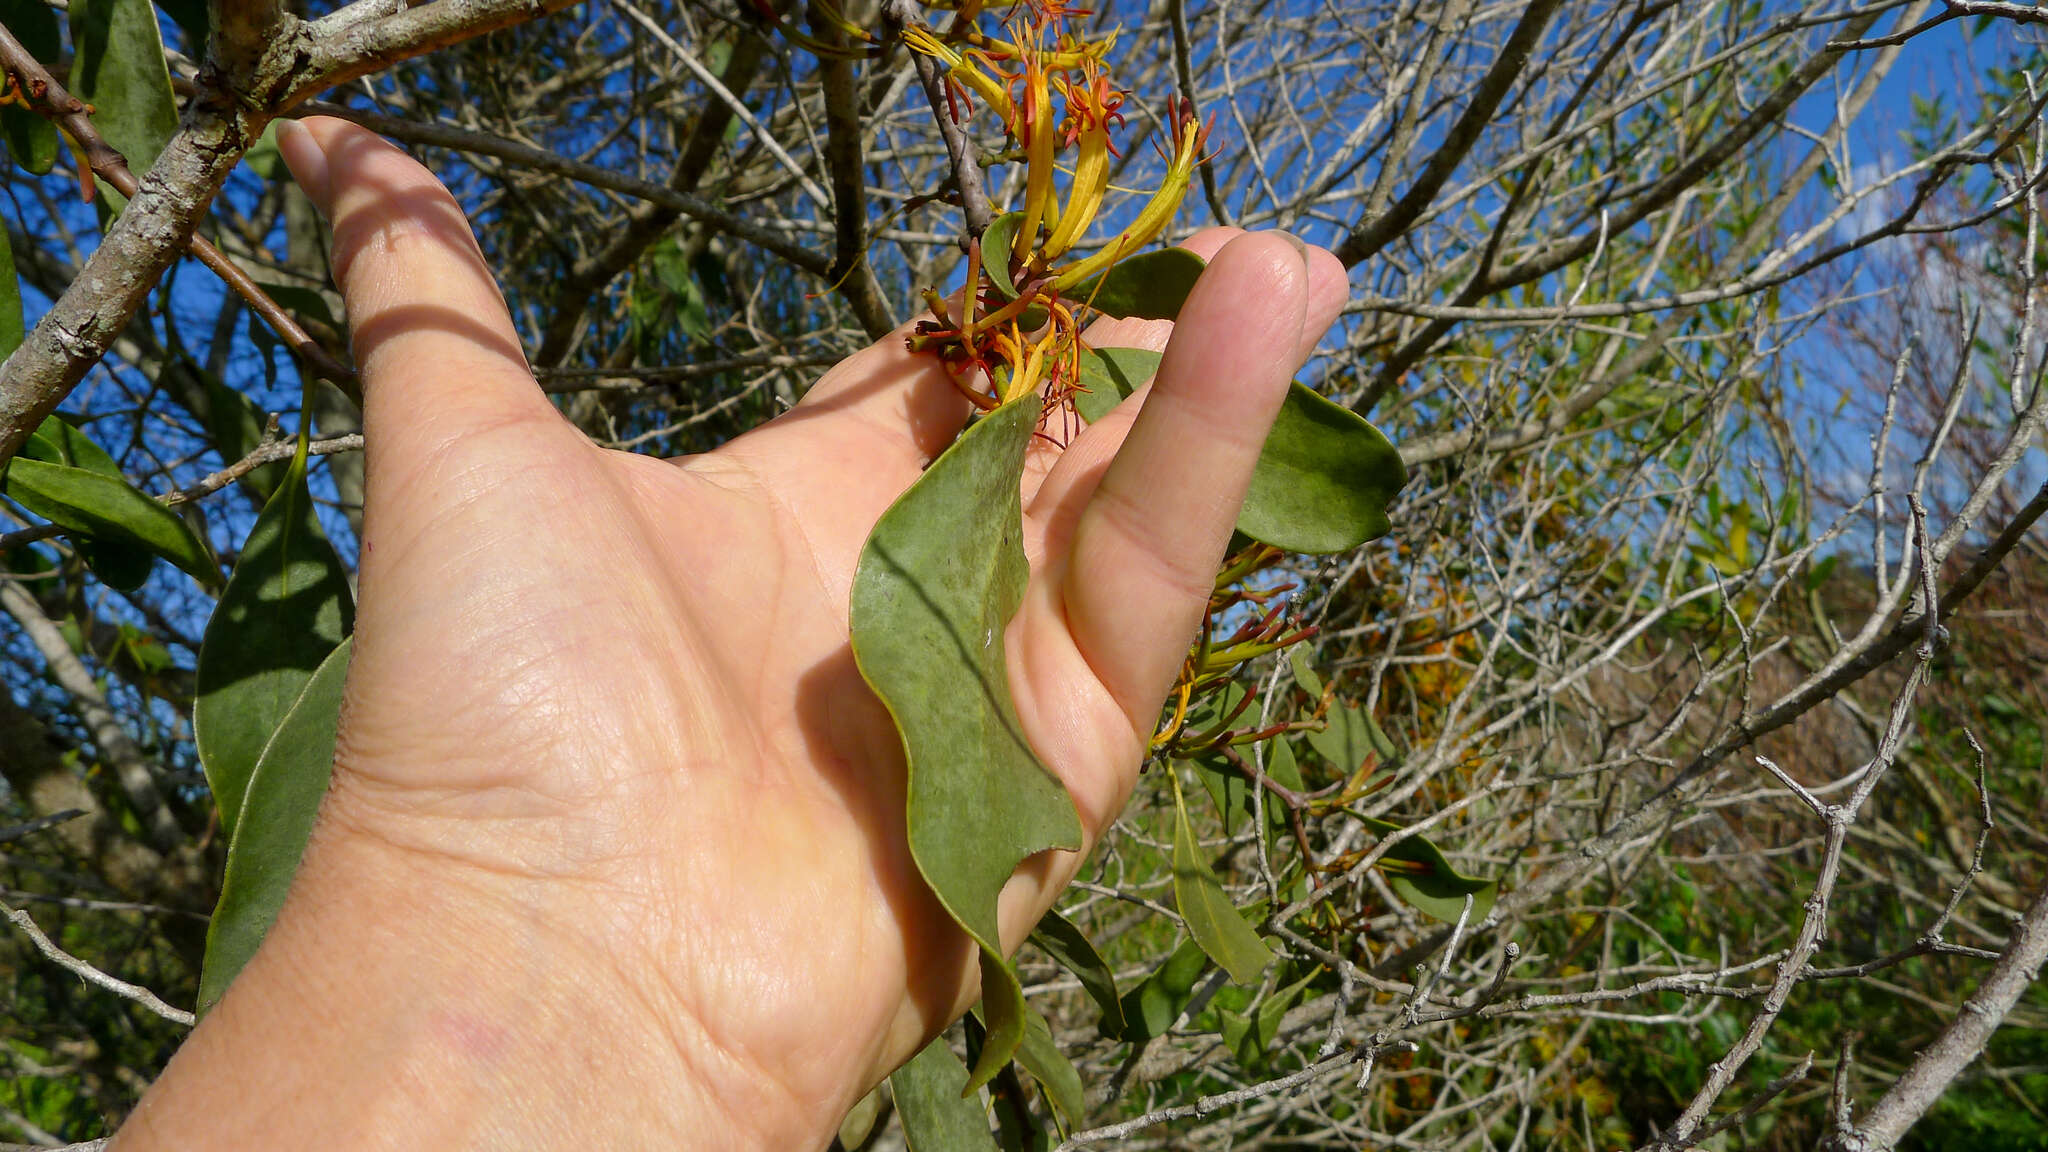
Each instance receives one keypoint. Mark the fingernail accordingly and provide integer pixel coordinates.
(306, 159)
(1300, 247)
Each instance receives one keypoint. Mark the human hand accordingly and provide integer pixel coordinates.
(615, 848)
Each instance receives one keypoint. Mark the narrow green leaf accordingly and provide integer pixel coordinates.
(58, 441)
(939, 578)
(1069, 947)
(11, 327)
(1152, 286)
(284, 794)
(1439, 890)
(31, 139)
(1152, 1007)
(1324, 479)
(118, 68)
(1249, 1038)
(1110, 374)
(996, 241)
(107, 509)
(1041, 1056)
(941, 1111)
(284, 610)
(1212, 920)
(1282, 769)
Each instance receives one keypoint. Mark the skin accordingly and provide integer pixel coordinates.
(614, 854)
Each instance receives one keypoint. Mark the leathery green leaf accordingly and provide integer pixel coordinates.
(941, 1112)
(119, 70)
(1324, 480)
(1212, 920)
(1110, 374)
(996, 240)
(1041, 1056)
(939, 578)
(1152, 286)
(285, 608)
(284, 794)
(11, 328)
(1429, 882)
(1058, 938)
(106, 509)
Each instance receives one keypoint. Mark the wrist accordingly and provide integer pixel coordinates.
(400, 1002)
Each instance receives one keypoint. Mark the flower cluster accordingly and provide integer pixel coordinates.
(1018, 325)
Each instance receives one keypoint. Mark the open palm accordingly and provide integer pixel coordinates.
(610, 698)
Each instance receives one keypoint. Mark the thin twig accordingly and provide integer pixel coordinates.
(92, 975)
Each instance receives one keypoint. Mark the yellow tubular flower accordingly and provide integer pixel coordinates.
(1188, 135)
(1091, 177)
(1040, 143)
(963, 70)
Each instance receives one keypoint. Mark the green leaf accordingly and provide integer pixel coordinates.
(1250, 1037)
(118, 68)
(285, 608)
(11, 328)
(941, 1111)
(1058, 938)
(1041, 1056)
(1344, 740)
(1108, 375)
(1305, 676)
(119, 566)
(1324, 479)
(106, 509)
(1150, 287)
(58, 441)
(1152, 1007)
(263, 158)
(1282, 769)
(1438, 889)
(284, 794)
(996, 240)
(31, 139)
(939, 578)
(1211, 918)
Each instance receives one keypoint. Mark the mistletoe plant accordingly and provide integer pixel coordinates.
(944, 569)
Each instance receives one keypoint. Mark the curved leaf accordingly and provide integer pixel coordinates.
(11, 328)
(285, 608)
(1324, 479)
(1431, 884)
(118, 68)
(284, 794)
(1110, 374)
(1211, 918)
(106, 509)
(996, 240)
(938, 580)
(1058, 938)
(59, 441)
(1148, 287)
(941, 1111)
(1040, 1055)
